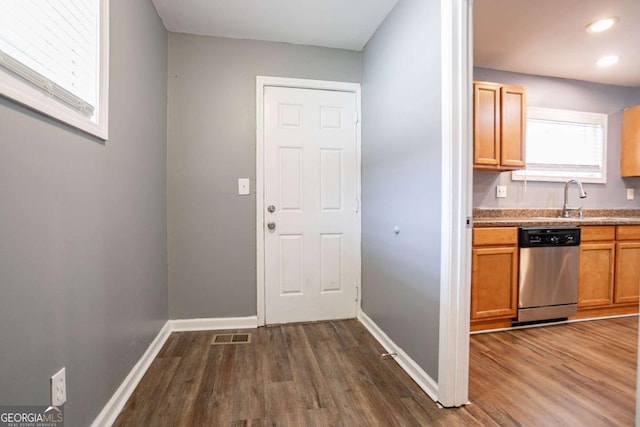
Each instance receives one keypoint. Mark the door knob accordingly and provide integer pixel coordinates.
(271, 225)
(271, 208)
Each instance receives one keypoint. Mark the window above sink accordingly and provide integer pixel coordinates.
(564, 144)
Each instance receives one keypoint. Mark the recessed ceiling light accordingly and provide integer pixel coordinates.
(608, 60)
(601, 25)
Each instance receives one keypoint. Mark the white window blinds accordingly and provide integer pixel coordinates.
(562, 144)
(578, 144)
(55, 46)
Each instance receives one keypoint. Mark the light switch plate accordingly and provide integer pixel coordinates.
(630, 194)
(244, 188)
(501, 191)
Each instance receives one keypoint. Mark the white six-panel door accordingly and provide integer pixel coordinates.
(310, 204)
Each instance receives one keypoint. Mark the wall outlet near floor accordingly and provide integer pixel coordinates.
(630, 194)
(501, 191)
(59, 388)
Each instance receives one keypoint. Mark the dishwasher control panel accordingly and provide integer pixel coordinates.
(529, 237)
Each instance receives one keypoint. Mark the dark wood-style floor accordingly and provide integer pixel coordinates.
(331, 374)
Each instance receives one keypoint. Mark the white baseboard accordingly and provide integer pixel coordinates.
(113, 408)
(423, 379)
(115, 405)
(182, 325)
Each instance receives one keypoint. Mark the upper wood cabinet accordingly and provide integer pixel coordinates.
(499, 118)
(630, 150)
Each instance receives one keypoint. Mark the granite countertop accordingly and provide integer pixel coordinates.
(483, 217)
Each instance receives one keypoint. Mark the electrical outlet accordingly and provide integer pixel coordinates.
(630, 194)
(59, 388)
(501, 191)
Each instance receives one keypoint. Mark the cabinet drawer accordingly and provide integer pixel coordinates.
(628, 232)
(594, 233)
(495, 236)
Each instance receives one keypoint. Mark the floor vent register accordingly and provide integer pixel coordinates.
(224, 339)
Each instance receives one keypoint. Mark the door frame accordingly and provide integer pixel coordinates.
(261, 83)
(457, 193)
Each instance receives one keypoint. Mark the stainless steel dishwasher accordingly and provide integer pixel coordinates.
(548, 277)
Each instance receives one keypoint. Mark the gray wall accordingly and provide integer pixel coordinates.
(212, 143)
(83, 267)
(570, 95)
(401, 179)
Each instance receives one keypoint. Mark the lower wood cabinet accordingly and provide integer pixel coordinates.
(627, 287)
(494, 284)
(597, 264)
(609, 280)
(494, 278)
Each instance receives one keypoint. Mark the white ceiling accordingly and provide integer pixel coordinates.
(548, 37)
(543, 37)
(345, 24)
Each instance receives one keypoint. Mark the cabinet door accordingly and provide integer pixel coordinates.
(512, 155)
(627, 273)
(630, 150)
(486, 125)
(595, 282)
(494, 283)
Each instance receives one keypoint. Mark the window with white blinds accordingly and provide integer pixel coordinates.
(562, 145)
(53, 58)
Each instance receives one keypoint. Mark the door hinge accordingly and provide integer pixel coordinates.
(357, 293)
(357, 116)
(469, 222)
(357, 205)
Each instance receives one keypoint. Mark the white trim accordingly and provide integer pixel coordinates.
(214, 324)
(426, 383)
(114, 406)
(32, 98)
(638, 380)
(261, 82)
(560, 322)
(358, 255)
(455, 268)
(102, 130)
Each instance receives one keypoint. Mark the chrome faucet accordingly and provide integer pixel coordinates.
(566, 208)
